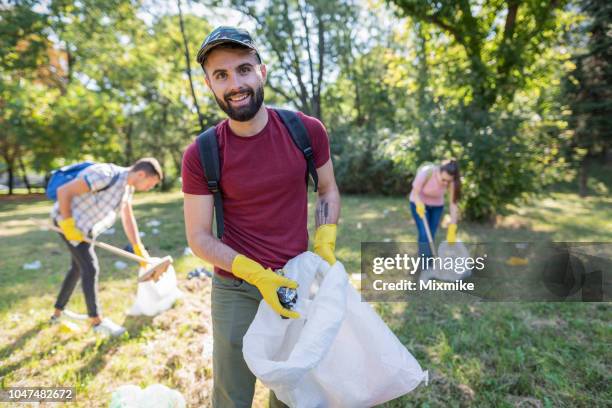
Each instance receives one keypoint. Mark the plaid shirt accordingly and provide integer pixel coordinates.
(94, 211)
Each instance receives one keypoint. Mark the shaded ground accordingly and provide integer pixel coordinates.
(478, 355)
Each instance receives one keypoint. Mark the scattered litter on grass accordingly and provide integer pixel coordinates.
(199, 273)
(32, 265)
(69, 327)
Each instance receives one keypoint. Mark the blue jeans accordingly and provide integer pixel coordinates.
(433, 213)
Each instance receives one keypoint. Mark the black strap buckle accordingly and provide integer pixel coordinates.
(308, 152)
(213, 186)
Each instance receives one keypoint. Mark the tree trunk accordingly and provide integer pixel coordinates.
(24, 174)
(166, 183)
(583, 177)
(422, 72)
(606, 155)
(318, 111)
(11, 178)
(129, 148)
(188, 61)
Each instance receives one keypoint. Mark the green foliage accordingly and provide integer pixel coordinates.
(474, 80)
(499, 40)
(22, 38)
(362, 167)
(362, 116)
(303, 41)
(104, 80)
(587, 89)
(482, 84)
(521, 156)
(501, 160)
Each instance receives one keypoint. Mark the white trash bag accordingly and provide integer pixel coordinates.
(154, 396)
(152, 297)
(338, 354)
(445, 251)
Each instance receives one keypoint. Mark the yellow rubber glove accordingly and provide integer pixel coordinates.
(71, 232)
(141, 252)
(325, 242)
(420, 209)
(266, 281)
(451, 234)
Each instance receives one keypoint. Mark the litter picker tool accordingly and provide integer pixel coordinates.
(445, 251)
(156, 266)
(432, 247)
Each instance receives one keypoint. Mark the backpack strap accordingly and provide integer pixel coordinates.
(109, 185)
(209, 157)
(299, 135)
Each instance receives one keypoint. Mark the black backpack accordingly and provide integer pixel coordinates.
(209, 156)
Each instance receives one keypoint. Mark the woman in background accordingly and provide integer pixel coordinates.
(427, 200)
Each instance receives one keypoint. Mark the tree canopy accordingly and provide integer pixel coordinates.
(516, 90)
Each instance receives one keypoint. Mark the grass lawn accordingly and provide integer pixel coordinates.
(482, 354)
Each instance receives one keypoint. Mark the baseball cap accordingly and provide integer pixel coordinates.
(224, 35)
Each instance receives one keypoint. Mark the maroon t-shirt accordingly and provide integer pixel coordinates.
(263, 185)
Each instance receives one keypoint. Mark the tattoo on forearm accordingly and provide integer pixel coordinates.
(322, 213)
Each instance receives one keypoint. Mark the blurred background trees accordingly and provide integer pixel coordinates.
(518, 91)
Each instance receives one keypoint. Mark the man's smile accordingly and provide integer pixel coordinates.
(240, 99)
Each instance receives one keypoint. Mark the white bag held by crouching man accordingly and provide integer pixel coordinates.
(153, 298)
(338, 354)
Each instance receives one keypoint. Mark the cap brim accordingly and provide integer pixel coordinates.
(205, 50)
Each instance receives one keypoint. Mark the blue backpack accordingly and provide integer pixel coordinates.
(68, 173)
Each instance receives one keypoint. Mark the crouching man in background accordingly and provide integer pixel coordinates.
(87, 206)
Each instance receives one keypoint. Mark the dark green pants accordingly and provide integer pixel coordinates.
(234, 305)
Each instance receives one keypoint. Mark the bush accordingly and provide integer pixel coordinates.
(362, 167)
(503, 157)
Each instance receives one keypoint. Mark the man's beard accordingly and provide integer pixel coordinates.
(243, 113)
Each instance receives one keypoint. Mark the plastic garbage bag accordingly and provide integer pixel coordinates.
(338, 354)
(152, 297)
(446, 250)
(154, 396)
